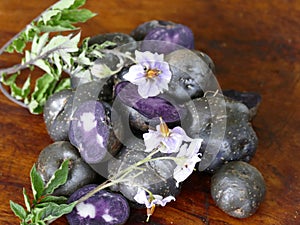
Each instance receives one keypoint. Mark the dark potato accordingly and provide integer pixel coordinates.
(80, 173)
(57, 113)
(250, 99)
(103, 208)
(118, 38)
(157, 176)
(238, 189)
(176, 34)
(143, 29)
(224, 126)
(191, 75)
(92, 133)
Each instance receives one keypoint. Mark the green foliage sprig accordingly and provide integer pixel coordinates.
(51, 53)
(44, 207)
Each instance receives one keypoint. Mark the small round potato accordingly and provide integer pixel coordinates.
(238, 189)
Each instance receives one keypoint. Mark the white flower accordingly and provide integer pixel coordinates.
(190, 157)
(151, 74)
(142, 198)
(168, 140)
(151, 201)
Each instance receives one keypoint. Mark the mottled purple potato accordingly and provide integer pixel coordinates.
(143, 29)
(227, 134)
(80, 173)
(151, 107)
(206, 59)
(92, 133)
(103, 208)
(157, 176)
(250, 99)
(176, 34)
(117, 38)
(191, 76)
(238, 189)
(57, 113)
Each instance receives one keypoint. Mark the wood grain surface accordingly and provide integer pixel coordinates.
(255, 46)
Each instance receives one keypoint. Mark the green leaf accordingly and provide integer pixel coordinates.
(77, 15)
(38, 43)
(55, 199)
(44, 87)
(50, 211)
(63, 4)
(63, 84)
(10, 80)
(57, 28)
(37, 183)
(44, 65)
(77, 4)
(16, 92)
(56, 212)
(48, 15)
(26, 200)
(18, 210)
(66, 43)
(26, 88)
(59, 178)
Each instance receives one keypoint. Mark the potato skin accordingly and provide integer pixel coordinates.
(238, 189)
(80, 173)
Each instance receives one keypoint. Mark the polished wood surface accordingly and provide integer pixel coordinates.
(255, 46)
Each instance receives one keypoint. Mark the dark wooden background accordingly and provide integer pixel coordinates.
(255, 46)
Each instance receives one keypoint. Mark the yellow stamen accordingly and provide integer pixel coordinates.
(150, 212)
(151, 73)
(165, 131)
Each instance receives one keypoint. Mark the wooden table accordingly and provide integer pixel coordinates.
(255, 46)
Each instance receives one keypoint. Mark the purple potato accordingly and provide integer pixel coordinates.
(103, 208)
(143, 29)
(156, 176)
(117, 38)
(250, 99)
(151, 107)
(57, 114)
(92, 133)
(191, 76)
(227, 134)
(176, 34)
(80, 173)
(207, 60)
(238, 189)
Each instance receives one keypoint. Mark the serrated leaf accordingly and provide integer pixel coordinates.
(77, 4)
(18, 210)
(10, 80)
(66, 43)
(19, 45)
(59, 178)
(37, 184)
(57, 28)
(48, 15)
(16, 92)
(77, 15)
(57, 62)
(44, 87)
(26, 88)
(63, 4)
(38, 43)
(54, 211)
(44, 65)
(63, 84)
(26, 200)
(55, 199)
